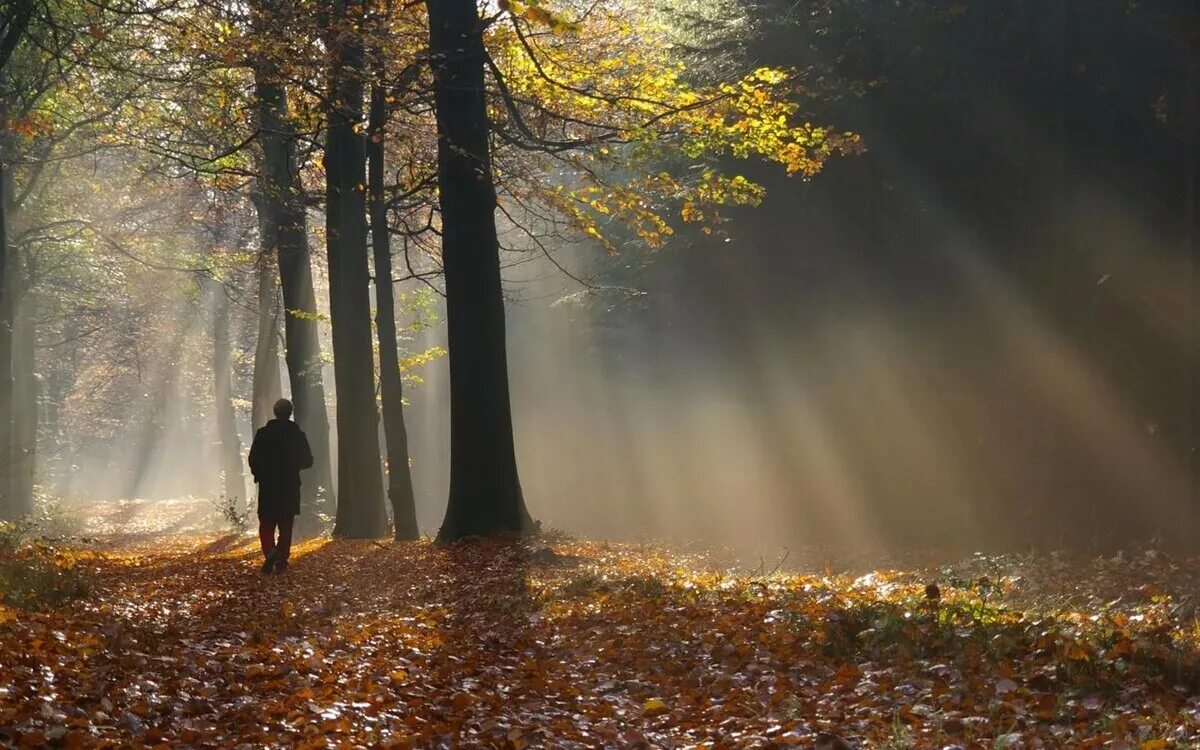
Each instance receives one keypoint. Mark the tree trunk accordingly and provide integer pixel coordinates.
(282, 203)
(400, 486)
(9, 508)
(485, 491)
(266, 386)
(6, 195)
(24, 390)
(361, 512)
(18, 22)
(1191, 193)
(234, 481)
(161, 380)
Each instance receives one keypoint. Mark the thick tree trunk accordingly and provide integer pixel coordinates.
(282, 203)
(400, 486)
(485, 491)
(266, 386)
(361, 512)
(234, 481)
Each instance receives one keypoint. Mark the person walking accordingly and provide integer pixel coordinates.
(279, 452)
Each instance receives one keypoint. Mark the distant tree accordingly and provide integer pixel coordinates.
(267, 386)
(231, 459)
(13, 28)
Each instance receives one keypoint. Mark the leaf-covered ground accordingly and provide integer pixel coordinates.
(182, 641)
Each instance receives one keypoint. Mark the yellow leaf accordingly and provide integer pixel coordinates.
(288, 609)
(654, 707)
(1155, 745)
(539, 15)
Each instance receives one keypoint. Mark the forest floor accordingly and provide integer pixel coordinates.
(177, 639)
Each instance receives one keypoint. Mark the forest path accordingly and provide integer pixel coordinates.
(181, 641)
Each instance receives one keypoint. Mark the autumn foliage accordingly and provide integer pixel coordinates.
(597, 644)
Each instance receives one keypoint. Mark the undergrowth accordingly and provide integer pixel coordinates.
(33, 573)
(232, 513)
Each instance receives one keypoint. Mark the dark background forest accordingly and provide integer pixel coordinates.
(980, 332)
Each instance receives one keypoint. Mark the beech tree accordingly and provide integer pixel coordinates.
(361, 511)
(14, 502)
(485, 491)
(391, 392)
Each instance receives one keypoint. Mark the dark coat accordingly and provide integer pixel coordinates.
(279, 452)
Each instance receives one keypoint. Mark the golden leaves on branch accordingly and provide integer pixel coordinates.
(538, 14)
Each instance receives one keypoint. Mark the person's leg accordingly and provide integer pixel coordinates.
(285, 543)
(266, 536)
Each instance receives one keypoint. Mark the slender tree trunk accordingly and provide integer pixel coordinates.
(361, 512)
(282, 203)
(400, 485)
(52, 446)
(20, 13)
(1191, 193)
(266, 386)
(18, 23)
(231, 445)
(9, 508)
(5, 197)
(485, 491)
(25, 390)
(161, 379)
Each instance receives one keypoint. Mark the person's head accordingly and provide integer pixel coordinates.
(283, 409)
